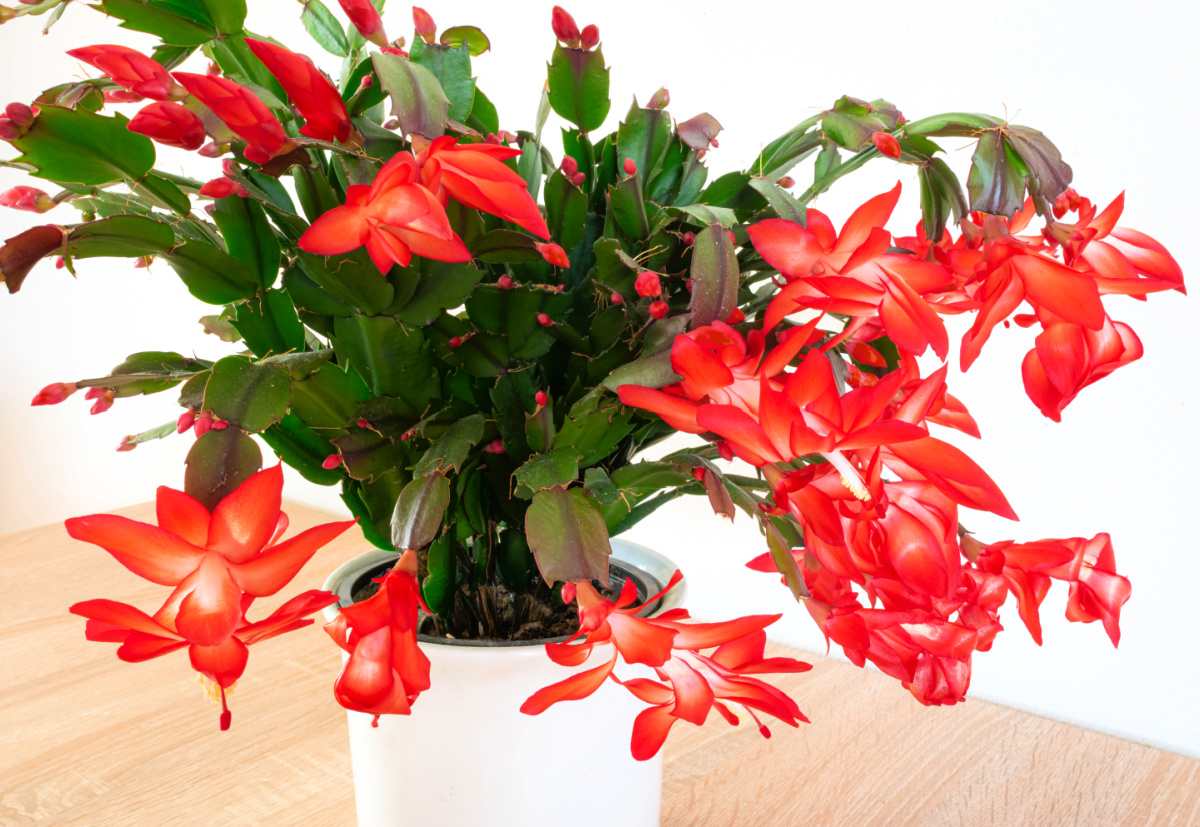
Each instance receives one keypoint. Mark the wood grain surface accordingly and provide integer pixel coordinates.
(88, 741)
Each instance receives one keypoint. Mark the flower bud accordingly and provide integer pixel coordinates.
(20, 114)
(455, 342)
(330, 462)
(647, 284)
(589, 38)
(363, 423)
(564, 26)
(496, 446)
(366, 81)
(54, 393)
(735, 317)
(426, 28)
(659, 100)
(659, 309)
(219, 424)
(29, 199)
(886, 143)
(569, 166)
(544, 320)
(578, 178)
(127, 444)
(186, 420)
(203, 423)
(366, 19)
(787, 182)
(553, 254)
(212, 149)
(541, 398)
(121, 96)
(630, 166)
(505, 282)
(103, 402)
(616, 298)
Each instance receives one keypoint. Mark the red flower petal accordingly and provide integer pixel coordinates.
(574, 688)
(148, 551)
(245, 518)
(182, 515)
(275, 568)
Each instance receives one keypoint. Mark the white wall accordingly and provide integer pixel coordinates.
(1112, 86)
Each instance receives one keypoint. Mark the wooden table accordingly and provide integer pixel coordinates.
(87, 740)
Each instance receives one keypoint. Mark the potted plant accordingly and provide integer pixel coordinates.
(480, 374)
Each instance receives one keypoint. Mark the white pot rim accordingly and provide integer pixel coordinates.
(649, 563)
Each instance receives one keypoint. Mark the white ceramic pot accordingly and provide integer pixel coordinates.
(468, 757)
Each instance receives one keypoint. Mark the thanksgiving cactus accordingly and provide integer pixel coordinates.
(475, 337)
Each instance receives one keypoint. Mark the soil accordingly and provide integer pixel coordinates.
(496, 614)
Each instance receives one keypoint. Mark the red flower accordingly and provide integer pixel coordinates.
(318, 102)
(395, 217)
(1067, 358)
(475, 175)
(143, 637)
(29, 199)
(886, 143)
(1097, 591)
(212, 559)
(386, 670)
(240, 110)
(169, 124)
(853, 274)
(366, 19)
(553, 254)
(691, 683)
(130, 69)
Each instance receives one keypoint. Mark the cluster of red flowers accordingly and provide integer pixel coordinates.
(700, 666)
(934, 592)
(216, 563)
(401, 214)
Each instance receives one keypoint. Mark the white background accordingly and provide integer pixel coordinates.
(1113, 88)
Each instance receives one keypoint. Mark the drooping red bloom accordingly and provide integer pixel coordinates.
(309, 90)
(366, 19)
(1067, 358)
(386, 670)
(692, 680)
(143, 637)
(30, 199)
(1097, 591)
(242, 111)
(475, 175)
(131, 69)
(552, 254)
(395, 218)
(211, 559)
(169, 124)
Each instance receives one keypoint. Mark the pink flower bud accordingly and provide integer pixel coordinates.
(103, 402)
(121, 96)
(363, 423)
(222, 188)
(725, 450)
(578, 178)
(186, 420)
(688, 238)
(736, 317)
(659, 100)
(616, 298)
(366, 81)
(505, 282)
(366, 19)
(630, 166)
(330, 462)
(203, 424)
(589, 38)
(569, 166)
(212, 149)
(544, 320)
(659, 309)
(29, 199)
(698, 473)
(496, 446)
(564, 26)
(647, 284)
(886, 143)
(787, 182)
(455, 342)
(219, 424)
(9, 131)
(127, 444)
(553, 254)
(54, 393)
(424, 24)
(568, 592)
(541, 398)
(20, 113)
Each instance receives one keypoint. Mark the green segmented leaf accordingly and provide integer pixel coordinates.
(324, 28)
(578, 82)
(567, 535)
(419, 511)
